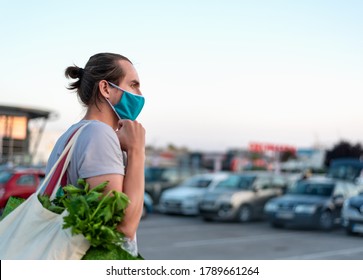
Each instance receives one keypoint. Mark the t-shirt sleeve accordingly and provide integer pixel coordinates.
(98, 152)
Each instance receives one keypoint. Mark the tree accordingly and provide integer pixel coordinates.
(343, 149)
(287, 155)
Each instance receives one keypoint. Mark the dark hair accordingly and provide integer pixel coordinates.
(102, 66)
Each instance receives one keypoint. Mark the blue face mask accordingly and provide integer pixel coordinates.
(129, 106)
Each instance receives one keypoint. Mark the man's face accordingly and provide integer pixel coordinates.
(131, 81)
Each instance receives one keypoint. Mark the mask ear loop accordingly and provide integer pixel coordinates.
(108, 101)
(114, 86)
(113, 109)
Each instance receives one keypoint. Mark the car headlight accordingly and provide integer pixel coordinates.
(307, 209)
(271, 207)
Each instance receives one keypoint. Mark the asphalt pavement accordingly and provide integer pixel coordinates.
(173, 237)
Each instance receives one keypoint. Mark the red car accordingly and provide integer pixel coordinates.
(19, 183)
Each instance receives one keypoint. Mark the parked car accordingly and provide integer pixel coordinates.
(161, 178)
(241, 196)
(148, 206)
(352, 214)
(345, 169)
(184, 199)
(19, 183)
(314, 202)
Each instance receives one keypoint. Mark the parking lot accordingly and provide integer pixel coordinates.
(173, 237)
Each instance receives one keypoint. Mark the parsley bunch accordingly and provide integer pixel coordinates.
(91, 213)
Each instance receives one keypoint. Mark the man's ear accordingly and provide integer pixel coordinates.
(103, 88)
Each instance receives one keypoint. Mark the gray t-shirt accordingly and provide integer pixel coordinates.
(97, 151)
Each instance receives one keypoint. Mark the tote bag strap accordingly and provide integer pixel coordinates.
(58, 170)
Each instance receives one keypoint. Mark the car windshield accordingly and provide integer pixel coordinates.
(236, 182)
(344, 172)
(4, 176)
(319, 189)
(197, 183)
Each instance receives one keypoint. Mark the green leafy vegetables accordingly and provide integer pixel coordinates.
(91, 213)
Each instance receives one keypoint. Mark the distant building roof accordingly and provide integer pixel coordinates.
(31, 113)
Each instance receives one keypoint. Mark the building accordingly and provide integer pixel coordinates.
(21, 129)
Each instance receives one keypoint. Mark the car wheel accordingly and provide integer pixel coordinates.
(245, 214)
(207, 219)
(349, 231)
(326, 220)
(276, 225)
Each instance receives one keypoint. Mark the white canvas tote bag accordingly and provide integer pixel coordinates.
(32, 232)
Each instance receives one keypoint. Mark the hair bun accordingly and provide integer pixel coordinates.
(74, 72)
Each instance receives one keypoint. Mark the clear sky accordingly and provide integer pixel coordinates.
(215, 74)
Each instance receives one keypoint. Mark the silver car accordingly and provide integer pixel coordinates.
(184, 199)
(352, 214)
(242, 196)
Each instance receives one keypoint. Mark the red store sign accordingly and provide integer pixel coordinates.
(263, 147)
